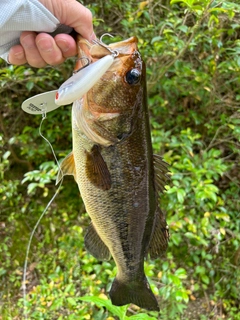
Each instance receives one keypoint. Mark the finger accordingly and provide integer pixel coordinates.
(73, 14)
(16, 55)
(66, 44)
(80, 19)
(48, 49)
(33, 57)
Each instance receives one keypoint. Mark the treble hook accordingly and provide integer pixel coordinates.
(114, 53)
(105, 34)
(88, 63)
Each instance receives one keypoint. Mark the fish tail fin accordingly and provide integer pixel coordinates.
(136, 292)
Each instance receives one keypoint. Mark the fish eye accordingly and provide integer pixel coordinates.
(133, 76)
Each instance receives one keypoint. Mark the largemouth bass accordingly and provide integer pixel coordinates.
(118, 177)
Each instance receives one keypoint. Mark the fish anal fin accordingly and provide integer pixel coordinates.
(137, 292)
(67, 167)
(160, 236)
(97, 170)
(161, 172)
(95, 245)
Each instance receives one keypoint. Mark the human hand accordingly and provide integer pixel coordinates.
(41, 49)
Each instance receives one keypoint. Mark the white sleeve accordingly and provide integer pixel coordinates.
(24, 15)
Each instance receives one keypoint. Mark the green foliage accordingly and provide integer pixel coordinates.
(120, 312)
(191, 49)
(42, 177)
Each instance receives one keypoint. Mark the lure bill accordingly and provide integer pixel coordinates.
(40, 103)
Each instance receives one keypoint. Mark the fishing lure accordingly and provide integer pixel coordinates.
(73, 88)
(83, 80)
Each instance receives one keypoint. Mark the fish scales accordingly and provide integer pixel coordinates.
(112, 162)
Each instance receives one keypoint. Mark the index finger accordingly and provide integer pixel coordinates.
(81, 25)
(73, 14)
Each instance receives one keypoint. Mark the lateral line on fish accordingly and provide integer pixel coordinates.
(25, 313)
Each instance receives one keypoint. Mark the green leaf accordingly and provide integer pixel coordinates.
(156, 39)
(165, 265)
(179, 295)
(181, 273)
(185, 296)
(205, 278)
(200, 270)
(6, 155)
(181, 195)
(117, 311)
(176, 238)
(32, 186)
(71, 301)
(174, 279)
(181, 307)
(223, 216)
(183, 28)
(29, 85)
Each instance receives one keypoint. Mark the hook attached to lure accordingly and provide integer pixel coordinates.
(83, 80)
(115, 53)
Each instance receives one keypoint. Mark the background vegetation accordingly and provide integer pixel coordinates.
(192, 52)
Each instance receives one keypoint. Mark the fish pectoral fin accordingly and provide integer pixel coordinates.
(161, 172)
(160, 236)
(97, 170)
(95, 245)
(67, 167)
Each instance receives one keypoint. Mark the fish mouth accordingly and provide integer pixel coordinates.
(93, 51)
(108, 109)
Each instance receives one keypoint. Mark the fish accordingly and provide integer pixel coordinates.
(118, 176)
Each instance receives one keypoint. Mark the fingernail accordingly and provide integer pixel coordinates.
(62, 44)
(45, 44)
(19, 55)
(93, 36)
(28, 41)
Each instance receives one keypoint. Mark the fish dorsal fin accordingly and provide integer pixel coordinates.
(161, 172)
(160, 236)
(67, 167)
(95, 245)
(97, 170)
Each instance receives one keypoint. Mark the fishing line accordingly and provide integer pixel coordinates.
(25, 313)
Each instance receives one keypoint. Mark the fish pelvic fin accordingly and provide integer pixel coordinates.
(67, 167)
(97, 170)
(94, 244)
(160, 236)
(138, 293)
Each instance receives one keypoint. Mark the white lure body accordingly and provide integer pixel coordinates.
(81, 82)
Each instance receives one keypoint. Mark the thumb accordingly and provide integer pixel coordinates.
(73, 14)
